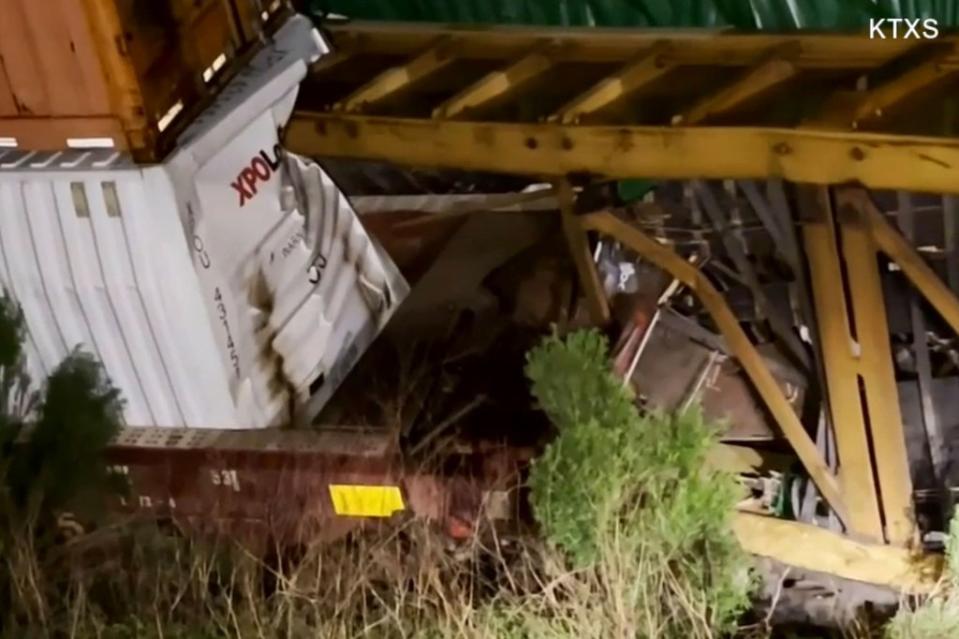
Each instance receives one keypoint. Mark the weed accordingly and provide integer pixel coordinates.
(938, 616)
(636, 537)
(630, 499)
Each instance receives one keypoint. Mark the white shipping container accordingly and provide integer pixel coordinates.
(228, 287)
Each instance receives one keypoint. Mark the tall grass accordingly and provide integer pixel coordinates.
(52, 465)
(635, 539)
(641, 520)
(936, 617)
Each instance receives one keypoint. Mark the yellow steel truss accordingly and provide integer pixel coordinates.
(739, 344)
(879, 161)
(467, 99)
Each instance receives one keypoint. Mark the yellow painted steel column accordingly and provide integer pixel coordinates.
(497, 84)
(893, 244)
(875, 369)
(839, 361)
(579, 250)
(739, 343)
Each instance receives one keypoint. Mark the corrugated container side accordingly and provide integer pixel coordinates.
(98, 261)
(127, 73)
(294, 285)
(219, 289)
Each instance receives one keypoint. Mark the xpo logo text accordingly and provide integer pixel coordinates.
(903, 29)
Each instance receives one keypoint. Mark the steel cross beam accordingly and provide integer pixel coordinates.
(496, 84)
(610, 45)
(812, 548)
(432, 104)
(875, 160)
(894, 245)
(578, 247)
(860, 381)
(764, 77)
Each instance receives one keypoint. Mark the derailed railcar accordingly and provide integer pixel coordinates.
(791, 263)
(228, 289)
(762, 273)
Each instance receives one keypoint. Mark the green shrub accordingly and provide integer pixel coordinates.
(629, 495)
(59, 464)
(637, 541)
(51, 445)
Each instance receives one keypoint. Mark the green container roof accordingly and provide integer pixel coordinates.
(768, 15)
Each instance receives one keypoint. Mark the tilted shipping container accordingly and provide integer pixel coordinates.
(229, 287)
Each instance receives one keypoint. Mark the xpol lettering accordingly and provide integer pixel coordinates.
(259, 169)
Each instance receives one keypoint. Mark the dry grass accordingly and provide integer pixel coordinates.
(401, 581)
(135, 580)
(644, 576)
(640, 552)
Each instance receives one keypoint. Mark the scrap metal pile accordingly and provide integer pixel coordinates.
(360, 230)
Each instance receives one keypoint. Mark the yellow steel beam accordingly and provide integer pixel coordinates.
(839, 361)
(739, 459)
(330, 61)
(893, 244)
(650, 66)
(739, 344)
(398, 78)
(700, 47)
(818, 157)
(755, 82)
(835, 113)
(875, 366)
(582, 258)
(811, 548)
(497, 84)
(894, 93)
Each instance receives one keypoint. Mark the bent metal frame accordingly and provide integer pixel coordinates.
(830, 113)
